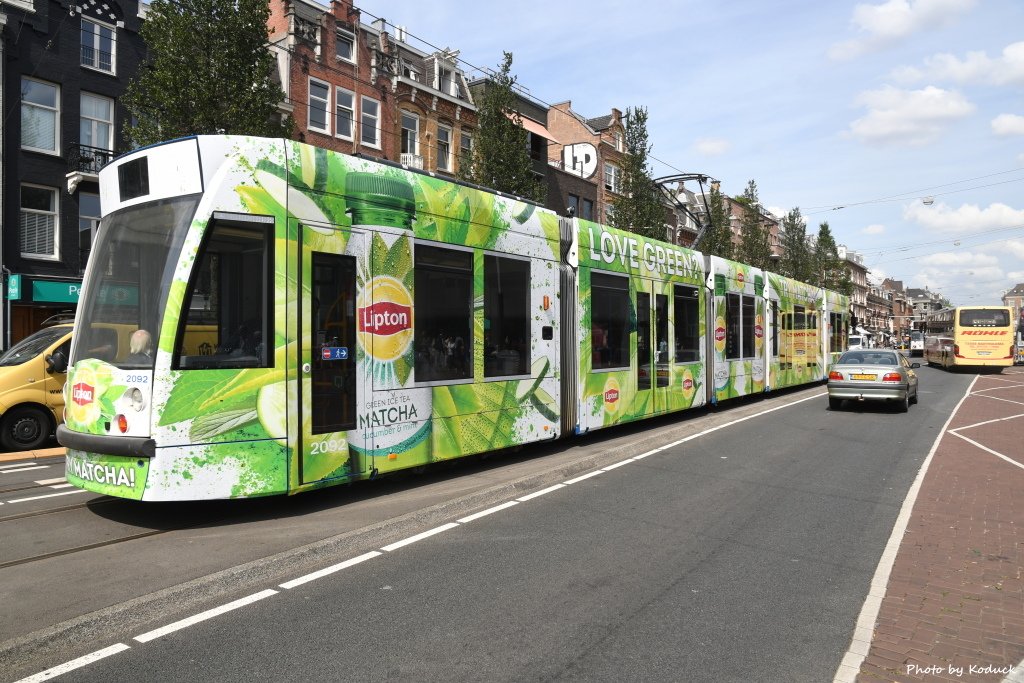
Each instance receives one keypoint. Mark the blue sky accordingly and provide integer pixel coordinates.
(868, 106)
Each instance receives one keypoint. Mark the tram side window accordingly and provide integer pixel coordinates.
(443, 294)
(687, 324)
(609, 321)
(506, 316)
(227, 322)
(837, 327)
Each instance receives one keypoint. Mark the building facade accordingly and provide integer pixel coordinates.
(65, 67)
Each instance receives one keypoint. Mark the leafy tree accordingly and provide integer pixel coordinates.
(755, 245)
(829, 270)
(208, 71)
(796, 253)
(500, 157)
(717, 238)
(639, 207)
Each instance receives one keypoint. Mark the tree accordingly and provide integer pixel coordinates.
(829, 271)
(208, 71)
(500, 157)
(755, 246)
(638, 207)
(717, 238)
(796, 253)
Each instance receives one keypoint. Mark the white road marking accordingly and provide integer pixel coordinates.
(25, 469)
(618, 464)
(989, 450)
(48, 495)
(330, 570)
(75, 663)
(488, 511)
(419, 537)
(535, 494)
(47, 482)
(203, 616)
(588, 475)
(14, 465)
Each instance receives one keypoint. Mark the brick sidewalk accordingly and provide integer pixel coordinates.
(955, 596)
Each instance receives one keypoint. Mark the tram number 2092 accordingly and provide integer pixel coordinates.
(329, 446)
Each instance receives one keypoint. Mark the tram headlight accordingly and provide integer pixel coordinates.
(136, 399)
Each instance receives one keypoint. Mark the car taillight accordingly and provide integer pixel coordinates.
(956, 350)
(892, 377)
(122, 424)
(835, 375)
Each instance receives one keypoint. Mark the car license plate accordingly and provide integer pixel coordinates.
(871, 377)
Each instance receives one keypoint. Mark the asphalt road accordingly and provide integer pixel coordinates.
(741, 554)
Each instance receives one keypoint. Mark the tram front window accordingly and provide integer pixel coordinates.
(128, 278)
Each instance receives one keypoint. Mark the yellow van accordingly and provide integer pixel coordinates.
(32, 375)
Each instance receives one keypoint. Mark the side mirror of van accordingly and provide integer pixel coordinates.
(56, 363)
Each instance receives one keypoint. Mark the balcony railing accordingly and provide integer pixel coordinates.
(86, 159)
(411, 160)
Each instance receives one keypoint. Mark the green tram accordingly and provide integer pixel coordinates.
(298, 318)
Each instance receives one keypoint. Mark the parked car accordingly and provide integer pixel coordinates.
(873, 375)
(32, 376)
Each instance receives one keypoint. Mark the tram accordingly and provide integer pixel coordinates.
(304, 318)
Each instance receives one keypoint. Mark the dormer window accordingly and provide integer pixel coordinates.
(345, 46)
(445, 81)
(617, 135)
(411, 72)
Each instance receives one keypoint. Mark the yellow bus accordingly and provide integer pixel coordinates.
(969, 336)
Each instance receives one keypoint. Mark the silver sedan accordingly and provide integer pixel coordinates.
(873, 375)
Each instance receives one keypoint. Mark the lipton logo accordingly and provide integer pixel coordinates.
(687, 384)
(739, 277)
(719, 334)
(82, 393)
(758, 331)
(385, 318)
(611, 396)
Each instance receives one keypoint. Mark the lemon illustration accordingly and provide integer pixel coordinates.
(385, 321)
(272, 404)
(612, 396)
(720, 334)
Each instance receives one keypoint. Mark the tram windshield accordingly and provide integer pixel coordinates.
(127, 281)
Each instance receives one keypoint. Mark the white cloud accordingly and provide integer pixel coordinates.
(967, 219)
(1014, 248)
(975, 67)
(1008, 124)
(884, 24)
(874, 229)
(911, 117)
(711, 147)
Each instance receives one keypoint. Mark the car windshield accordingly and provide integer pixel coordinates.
(868, 358)
(31, 346)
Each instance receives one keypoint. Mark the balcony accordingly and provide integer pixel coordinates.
(84, 163)
(411, 160)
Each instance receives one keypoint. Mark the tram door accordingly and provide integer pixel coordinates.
(331, 389)
(652, 348)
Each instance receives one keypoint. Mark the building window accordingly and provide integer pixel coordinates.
(88, 223)
(506, 316)
(587, 209)
(443, 295)
(344, 113)
(573, 205)
(466, 149)
(370, 122)
(39, 223)
(98, 45)
(617, 135)
(97, 122)
(411, 72)
(319, 97)
(444, 148)
(612, 177)
(345, 46)
(410, 133)
(40, 115)
(445, 81)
